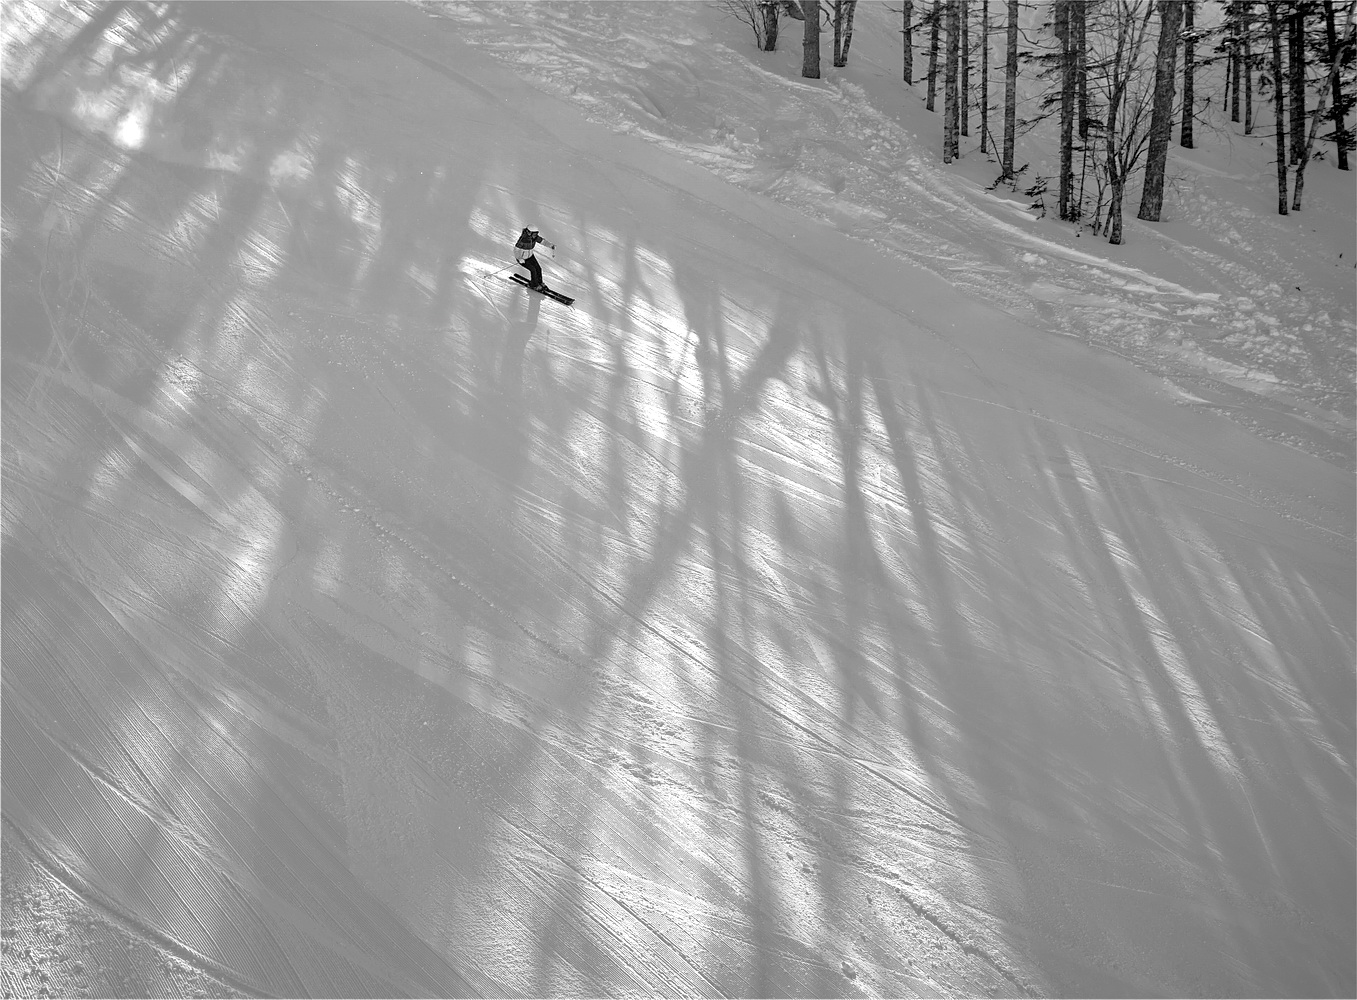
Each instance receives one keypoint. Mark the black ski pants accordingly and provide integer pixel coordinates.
(534, 269)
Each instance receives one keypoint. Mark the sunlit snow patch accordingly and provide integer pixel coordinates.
(293, 165)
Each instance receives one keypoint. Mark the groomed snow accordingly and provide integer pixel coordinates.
(796, 614)
(1248, 313)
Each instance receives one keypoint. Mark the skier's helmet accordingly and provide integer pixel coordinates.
(531, 228)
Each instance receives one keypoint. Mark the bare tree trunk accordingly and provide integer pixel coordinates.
(1010, 88)
(1237, 25)
(850, 8)
(1229, 43)
(843, 30)
(935, 17)
(1161, 118)
(1246, 24)
(838, 30)
(1079, 25)
(950, 144)
(965, 107)
(810, 40)
(1063, 34)
(1116, 175)
(908, 9)
(1314, 123)
(1114, 210)
(770, 12)
(1340, 130)
(1278, 101)
(984, 74)
(1189, 56)
(1296, 65)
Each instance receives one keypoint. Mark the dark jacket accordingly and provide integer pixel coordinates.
(527, 241)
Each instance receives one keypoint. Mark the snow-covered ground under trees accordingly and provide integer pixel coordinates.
(866, 588)
(1246, 312)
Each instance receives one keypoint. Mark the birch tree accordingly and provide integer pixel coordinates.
(984, 74)
(1079, 26)
(1010, 89)
(843, 29)
(907, 12)
(1319, 113)
(934, 19)
(949, 104)
(1235, 21)
(769, 26)
(964, 108)
(1246, 26)
(1295, 62)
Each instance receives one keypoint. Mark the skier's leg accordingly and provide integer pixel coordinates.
(534, 271)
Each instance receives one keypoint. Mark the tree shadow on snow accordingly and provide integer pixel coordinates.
(420, 635)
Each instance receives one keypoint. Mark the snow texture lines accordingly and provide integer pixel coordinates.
(788, 617)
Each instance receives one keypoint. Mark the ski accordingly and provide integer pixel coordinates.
(550, 293)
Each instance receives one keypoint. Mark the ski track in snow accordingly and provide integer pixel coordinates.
(1269, 321)
(779, 619)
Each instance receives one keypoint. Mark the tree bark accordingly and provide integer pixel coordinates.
(1335, 51)
(769, 26)
(852, 6)
(843, 30)
(852, 10)
(810, 40)
(838, 30)
(935, 19)
(1278, 101)
(1189, 56)
(1125, 141)
(984, 74)
(1246, 20)
(1314, 123)
(908, 12)
(1114, 211)
(1116, 174)
(1064, 35)
(1010, 88)
(1296, 79)
(1079, 25)
(1161, 118)
(964, 109)
(1237, 25)
(950, 144)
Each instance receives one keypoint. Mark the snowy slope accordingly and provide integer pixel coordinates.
(1247, 313)
(780, 619)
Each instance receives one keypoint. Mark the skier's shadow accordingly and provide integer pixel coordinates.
(505, 408)
(511, 363)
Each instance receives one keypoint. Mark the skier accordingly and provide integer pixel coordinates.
(527, 240)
